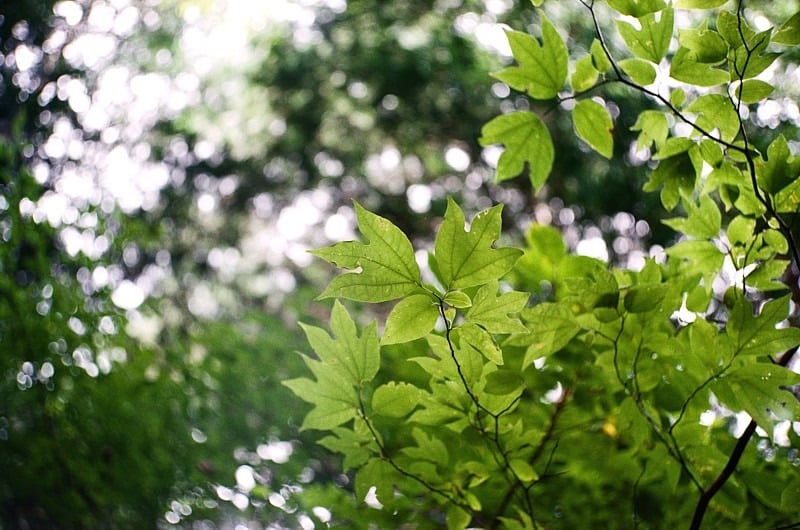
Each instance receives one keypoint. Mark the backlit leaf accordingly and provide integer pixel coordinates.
(652, 127)
(789, 32)
(706, 45)
(542, 69)
(758, 335)
(637, 8)
(551, 327)
(641, 72)
(753, 90)
(526, 140)
(413, 317)
(388, 268)
(703, 220)
(593, 125)
(493, 312)
(781, 168)
(687, 67)
(652, 40)
(465, 257)
(585, 74)
(395, 399)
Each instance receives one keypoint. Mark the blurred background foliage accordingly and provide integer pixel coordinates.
(164, 167)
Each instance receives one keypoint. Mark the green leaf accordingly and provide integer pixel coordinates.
(523, 470)
(637, 8)
(740, 230)
(707, 46)
(551, 327)
(652, 40)
(789, 32)
(545, 250)
(599, 57)
(593, 125)
(457, 518)
(585, 74)
(702, 256)
(716, 112)
(526, 140)
(429, 448)
(753, 90)
(676, 174)
(457, 299)
(653, 128)
(352, 444)
(641, 72)
(542, 69)
(413, 317)
(699, 4)
(687, 67)
(389, 269)
(481, 340)
(768, 275)
(748, 61)
(504, 382)
(333, 404)
(758, 389)
(758, 335)
(395, 399)
(466, 258)
(357, 358)
(703, 221)
(492, 312)
(646, 297)
(781, 168)
(380, 474)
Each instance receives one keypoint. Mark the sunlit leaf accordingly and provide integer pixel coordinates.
(642, 298)
(753, 90)
(585, 74)
(652, 127)
(542, 69)
(466, 257)
(703, 220)
(640, 71)
(781, 168)
(551, 327)
(699, 4)
(706, 45)
(759, 389)
(687, 67)
(758, 335)
(789, 32)
(593, 125)
(379, 474)
(637, 8)
(526, 140)
(493, 312)
(388, 268)
(413, 317)
(652, 40)
(395, 399)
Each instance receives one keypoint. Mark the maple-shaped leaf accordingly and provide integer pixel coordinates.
(758, 335)
(542, 69)
(492, 312)
(465, 258)
(526, 139)
(346, 362)
(383, 269)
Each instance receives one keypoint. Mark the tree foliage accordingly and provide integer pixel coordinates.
(545, 386)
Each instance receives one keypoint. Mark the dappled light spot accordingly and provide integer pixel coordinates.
(275, 451)
(594, 247)
(127, 295)
(457, 157)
